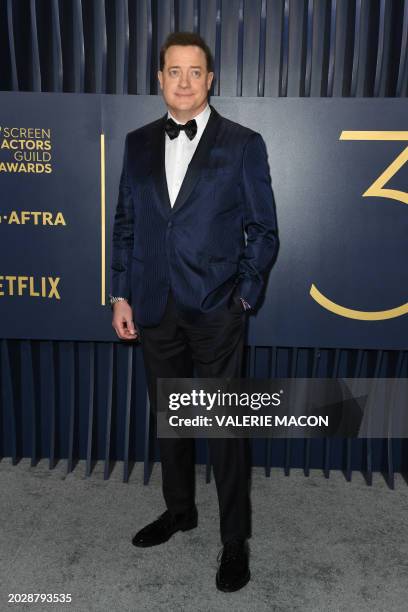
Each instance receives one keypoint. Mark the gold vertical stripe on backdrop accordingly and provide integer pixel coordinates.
(103, 221)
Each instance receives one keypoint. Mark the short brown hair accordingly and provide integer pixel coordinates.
(186, 38)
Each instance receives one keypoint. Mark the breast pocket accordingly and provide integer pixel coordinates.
(214, 174)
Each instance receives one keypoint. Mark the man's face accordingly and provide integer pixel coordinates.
(185, 81)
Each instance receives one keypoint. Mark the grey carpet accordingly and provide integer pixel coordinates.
(317, 544)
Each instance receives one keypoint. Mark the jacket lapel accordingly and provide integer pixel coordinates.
(158, 168)
(199, 159)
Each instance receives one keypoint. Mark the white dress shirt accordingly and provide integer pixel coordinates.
(179, 152)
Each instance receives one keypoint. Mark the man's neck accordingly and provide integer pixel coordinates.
(184, 116)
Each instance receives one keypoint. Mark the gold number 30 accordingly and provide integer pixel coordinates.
(376, 189)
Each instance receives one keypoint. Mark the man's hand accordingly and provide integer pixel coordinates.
(122, 321)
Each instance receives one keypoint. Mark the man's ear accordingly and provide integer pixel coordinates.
(210, 77)
(160, 77)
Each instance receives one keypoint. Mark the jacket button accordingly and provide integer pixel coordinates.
(169, 224)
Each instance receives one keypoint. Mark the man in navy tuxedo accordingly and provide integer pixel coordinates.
(194, 233)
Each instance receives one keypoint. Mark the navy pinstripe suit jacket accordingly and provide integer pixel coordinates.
(219, 238)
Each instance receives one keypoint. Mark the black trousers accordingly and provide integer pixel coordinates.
(213, 345)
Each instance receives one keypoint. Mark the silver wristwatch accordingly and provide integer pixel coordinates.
(114, 299)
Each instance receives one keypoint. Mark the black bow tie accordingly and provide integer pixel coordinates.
(173, 129)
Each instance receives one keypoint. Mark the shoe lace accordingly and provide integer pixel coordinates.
(165, 518)
(230, 551)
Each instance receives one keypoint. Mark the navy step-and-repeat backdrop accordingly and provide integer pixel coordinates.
(340, 179)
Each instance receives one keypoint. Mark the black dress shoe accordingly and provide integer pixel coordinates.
(164, 527)
(233, 572)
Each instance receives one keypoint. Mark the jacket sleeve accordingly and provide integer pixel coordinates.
(259, 221)
(122, 235)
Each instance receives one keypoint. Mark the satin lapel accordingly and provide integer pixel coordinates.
(157, 145)
(199, 159)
